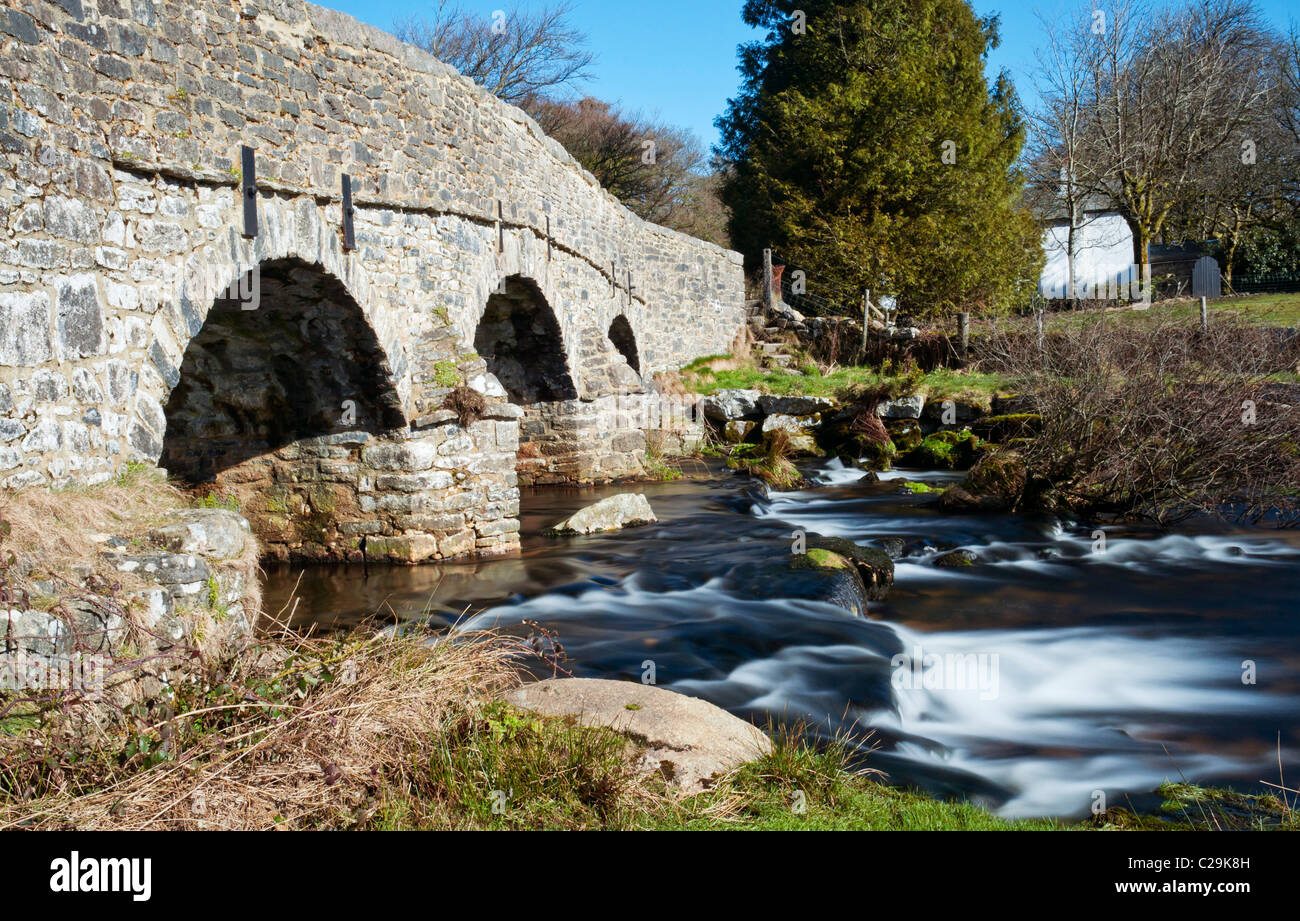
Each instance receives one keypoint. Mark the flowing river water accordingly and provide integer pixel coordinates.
(1051, 669)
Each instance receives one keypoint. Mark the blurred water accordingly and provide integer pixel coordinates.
(1087, 670)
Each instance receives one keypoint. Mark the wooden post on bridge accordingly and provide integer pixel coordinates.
(963, 332)
(767, 279)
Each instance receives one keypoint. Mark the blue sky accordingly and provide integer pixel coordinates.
(677, 58)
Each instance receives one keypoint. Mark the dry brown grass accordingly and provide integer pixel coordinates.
(62, 530)
(297, 733)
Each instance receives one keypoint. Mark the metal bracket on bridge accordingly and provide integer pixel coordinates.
(630, 288)
(349, 234)
(501, 227)
(248, 185)
(548, 238)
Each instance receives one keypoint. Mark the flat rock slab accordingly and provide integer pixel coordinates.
(215, 533)
(690, 740)
(625, 510)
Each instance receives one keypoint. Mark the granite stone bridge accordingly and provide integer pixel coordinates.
(272, 250)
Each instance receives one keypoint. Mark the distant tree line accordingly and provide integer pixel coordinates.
(535, 59)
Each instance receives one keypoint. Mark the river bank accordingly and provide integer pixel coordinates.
(1116, 672)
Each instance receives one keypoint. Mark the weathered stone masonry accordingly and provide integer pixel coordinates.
(138, 323)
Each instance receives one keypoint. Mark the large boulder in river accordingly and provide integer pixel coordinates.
(726, 405)
(837, 580)
(625, 510)
(995, 484)
(690, 741)
(876, 567)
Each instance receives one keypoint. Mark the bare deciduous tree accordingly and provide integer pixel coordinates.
(515, 54)
(655, 169)
(1065, 174)
(1172, 87)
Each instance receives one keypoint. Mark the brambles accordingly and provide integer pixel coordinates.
(1164, 425)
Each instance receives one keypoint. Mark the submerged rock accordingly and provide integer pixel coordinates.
(955, 559)
(690, 741)
(894, 546)
(625, 510)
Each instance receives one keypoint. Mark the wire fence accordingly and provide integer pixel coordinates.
(1277, 283)
(815, 295)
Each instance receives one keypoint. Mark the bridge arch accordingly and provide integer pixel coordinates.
(283, 356)
(520, 338)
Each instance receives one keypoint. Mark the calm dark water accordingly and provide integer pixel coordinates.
(1052, 669)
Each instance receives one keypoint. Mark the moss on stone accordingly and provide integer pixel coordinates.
(1011, 425)
(821, 559)
(943, 451)
(906, 435)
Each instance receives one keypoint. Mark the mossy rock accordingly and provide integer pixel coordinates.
(957, 559)
(835, 580)
(943, 451)
(839, 439)
(1004, 428)
(817, 558)
(875, 567)
(906, 434)
(998, 474)
(1005, 404)
(995, 484)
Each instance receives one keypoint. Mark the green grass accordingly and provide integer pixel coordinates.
(701, 377)
(1251, 310)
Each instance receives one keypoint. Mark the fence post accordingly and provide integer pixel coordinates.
(1205, 316)
(866, 318)
(963, 332)
(1041, 338)
(767, 279)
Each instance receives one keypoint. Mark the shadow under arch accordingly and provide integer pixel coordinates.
(624, 340)
(519, 337)
(304, 363)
